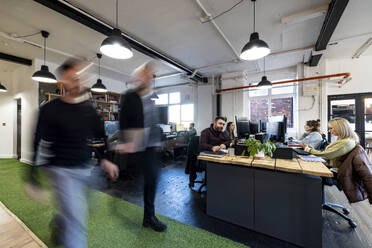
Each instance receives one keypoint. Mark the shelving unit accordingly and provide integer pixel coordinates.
(108, 103)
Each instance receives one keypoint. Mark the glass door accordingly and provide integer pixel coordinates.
(357, 109)
(368, 121)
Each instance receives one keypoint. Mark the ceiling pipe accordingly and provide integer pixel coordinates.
(235, 61)
(67, 9)
(68, 55)
(345, 76)
(237, 55)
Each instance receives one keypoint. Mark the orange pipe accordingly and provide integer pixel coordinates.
(345, 75)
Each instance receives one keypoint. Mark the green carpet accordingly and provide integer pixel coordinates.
(112, 222)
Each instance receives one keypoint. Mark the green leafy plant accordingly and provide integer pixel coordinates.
(255, 146)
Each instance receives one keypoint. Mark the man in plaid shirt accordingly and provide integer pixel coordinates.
(212, 138)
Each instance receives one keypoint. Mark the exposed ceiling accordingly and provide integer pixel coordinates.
(174, 28)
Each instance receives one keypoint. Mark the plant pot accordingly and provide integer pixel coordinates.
(260, 155)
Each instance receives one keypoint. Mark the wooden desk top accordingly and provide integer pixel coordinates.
(97, 145)
(288, 165)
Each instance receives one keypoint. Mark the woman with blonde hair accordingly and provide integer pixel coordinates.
(346, 141)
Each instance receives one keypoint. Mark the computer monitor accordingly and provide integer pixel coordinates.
(272, 130)
(254, 127)
(166, 128)
(242, 127)
(111, 127)
(282, 127)
(263, 125)
(180, 127)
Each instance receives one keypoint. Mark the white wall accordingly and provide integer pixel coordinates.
(204, 107)
(7, 110)
(360, 83)
(21, 86)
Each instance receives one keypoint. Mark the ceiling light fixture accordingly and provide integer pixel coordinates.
(255, 48)
(2, 88)
(362, 49)
(99, 87)
(264, 83)
(43, 75)
(115, 46)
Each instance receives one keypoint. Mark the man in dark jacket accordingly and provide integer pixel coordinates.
(61, 146)
(141, 138)
(212, 138)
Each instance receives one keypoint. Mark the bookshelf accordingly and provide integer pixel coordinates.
(108, 103)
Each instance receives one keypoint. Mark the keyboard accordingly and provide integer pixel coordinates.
(300, 151)
(218, 154)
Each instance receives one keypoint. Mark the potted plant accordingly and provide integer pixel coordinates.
(256, 149)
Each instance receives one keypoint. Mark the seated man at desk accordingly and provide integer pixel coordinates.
(212, 138)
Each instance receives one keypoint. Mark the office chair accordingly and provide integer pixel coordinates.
(193, 165)
(323, 144)
(332, 206)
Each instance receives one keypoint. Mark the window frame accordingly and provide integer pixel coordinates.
(270, 97)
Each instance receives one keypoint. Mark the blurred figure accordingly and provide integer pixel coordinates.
(192, 130)
(60, 144)
(229, 132)
(141, 137)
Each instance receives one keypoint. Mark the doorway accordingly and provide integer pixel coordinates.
(357, 109)
(19, 128)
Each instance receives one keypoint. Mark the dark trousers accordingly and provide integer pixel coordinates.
(148, 161)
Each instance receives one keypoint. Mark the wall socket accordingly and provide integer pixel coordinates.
(4, 124)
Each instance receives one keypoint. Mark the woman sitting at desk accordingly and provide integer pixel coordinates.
(312, 136)
(229, 132)
(347, 139)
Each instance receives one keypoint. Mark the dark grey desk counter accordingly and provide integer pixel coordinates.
(280, 204)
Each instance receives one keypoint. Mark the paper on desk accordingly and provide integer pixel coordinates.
(311, 158)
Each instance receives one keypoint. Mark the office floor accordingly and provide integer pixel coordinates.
(175, 200)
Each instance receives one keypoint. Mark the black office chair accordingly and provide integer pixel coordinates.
(323, 144)
(332, 207)
(193, 165)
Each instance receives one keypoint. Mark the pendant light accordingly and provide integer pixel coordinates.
(115, 46)
(2, 88)
(43, 75)
(99, 87)
(255, 48)
(264, 83)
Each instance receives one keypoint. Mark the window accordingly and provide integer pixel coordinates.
(174, 98)
(177, 113)
(174, 114)
(273, 102)
(259, 109)
(283, 106)
(187, 114)
(163, 99)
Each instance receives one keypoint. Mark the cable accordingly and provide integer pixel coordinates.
(224, 12)
(24, 36)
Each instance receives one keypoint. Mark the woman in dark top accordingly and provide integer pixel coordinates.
(229, 131)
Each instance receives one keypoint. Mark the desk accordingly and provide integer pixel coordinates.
(277, 197)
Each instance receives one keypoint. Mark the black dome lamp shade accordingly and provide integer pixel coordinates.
(255, 48)
(44, 75)
(2, 88)
(99, 87)
(115, 46)
(264, 83)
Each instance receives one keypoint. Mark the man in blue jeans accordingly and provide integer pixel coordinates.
(61, 145)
